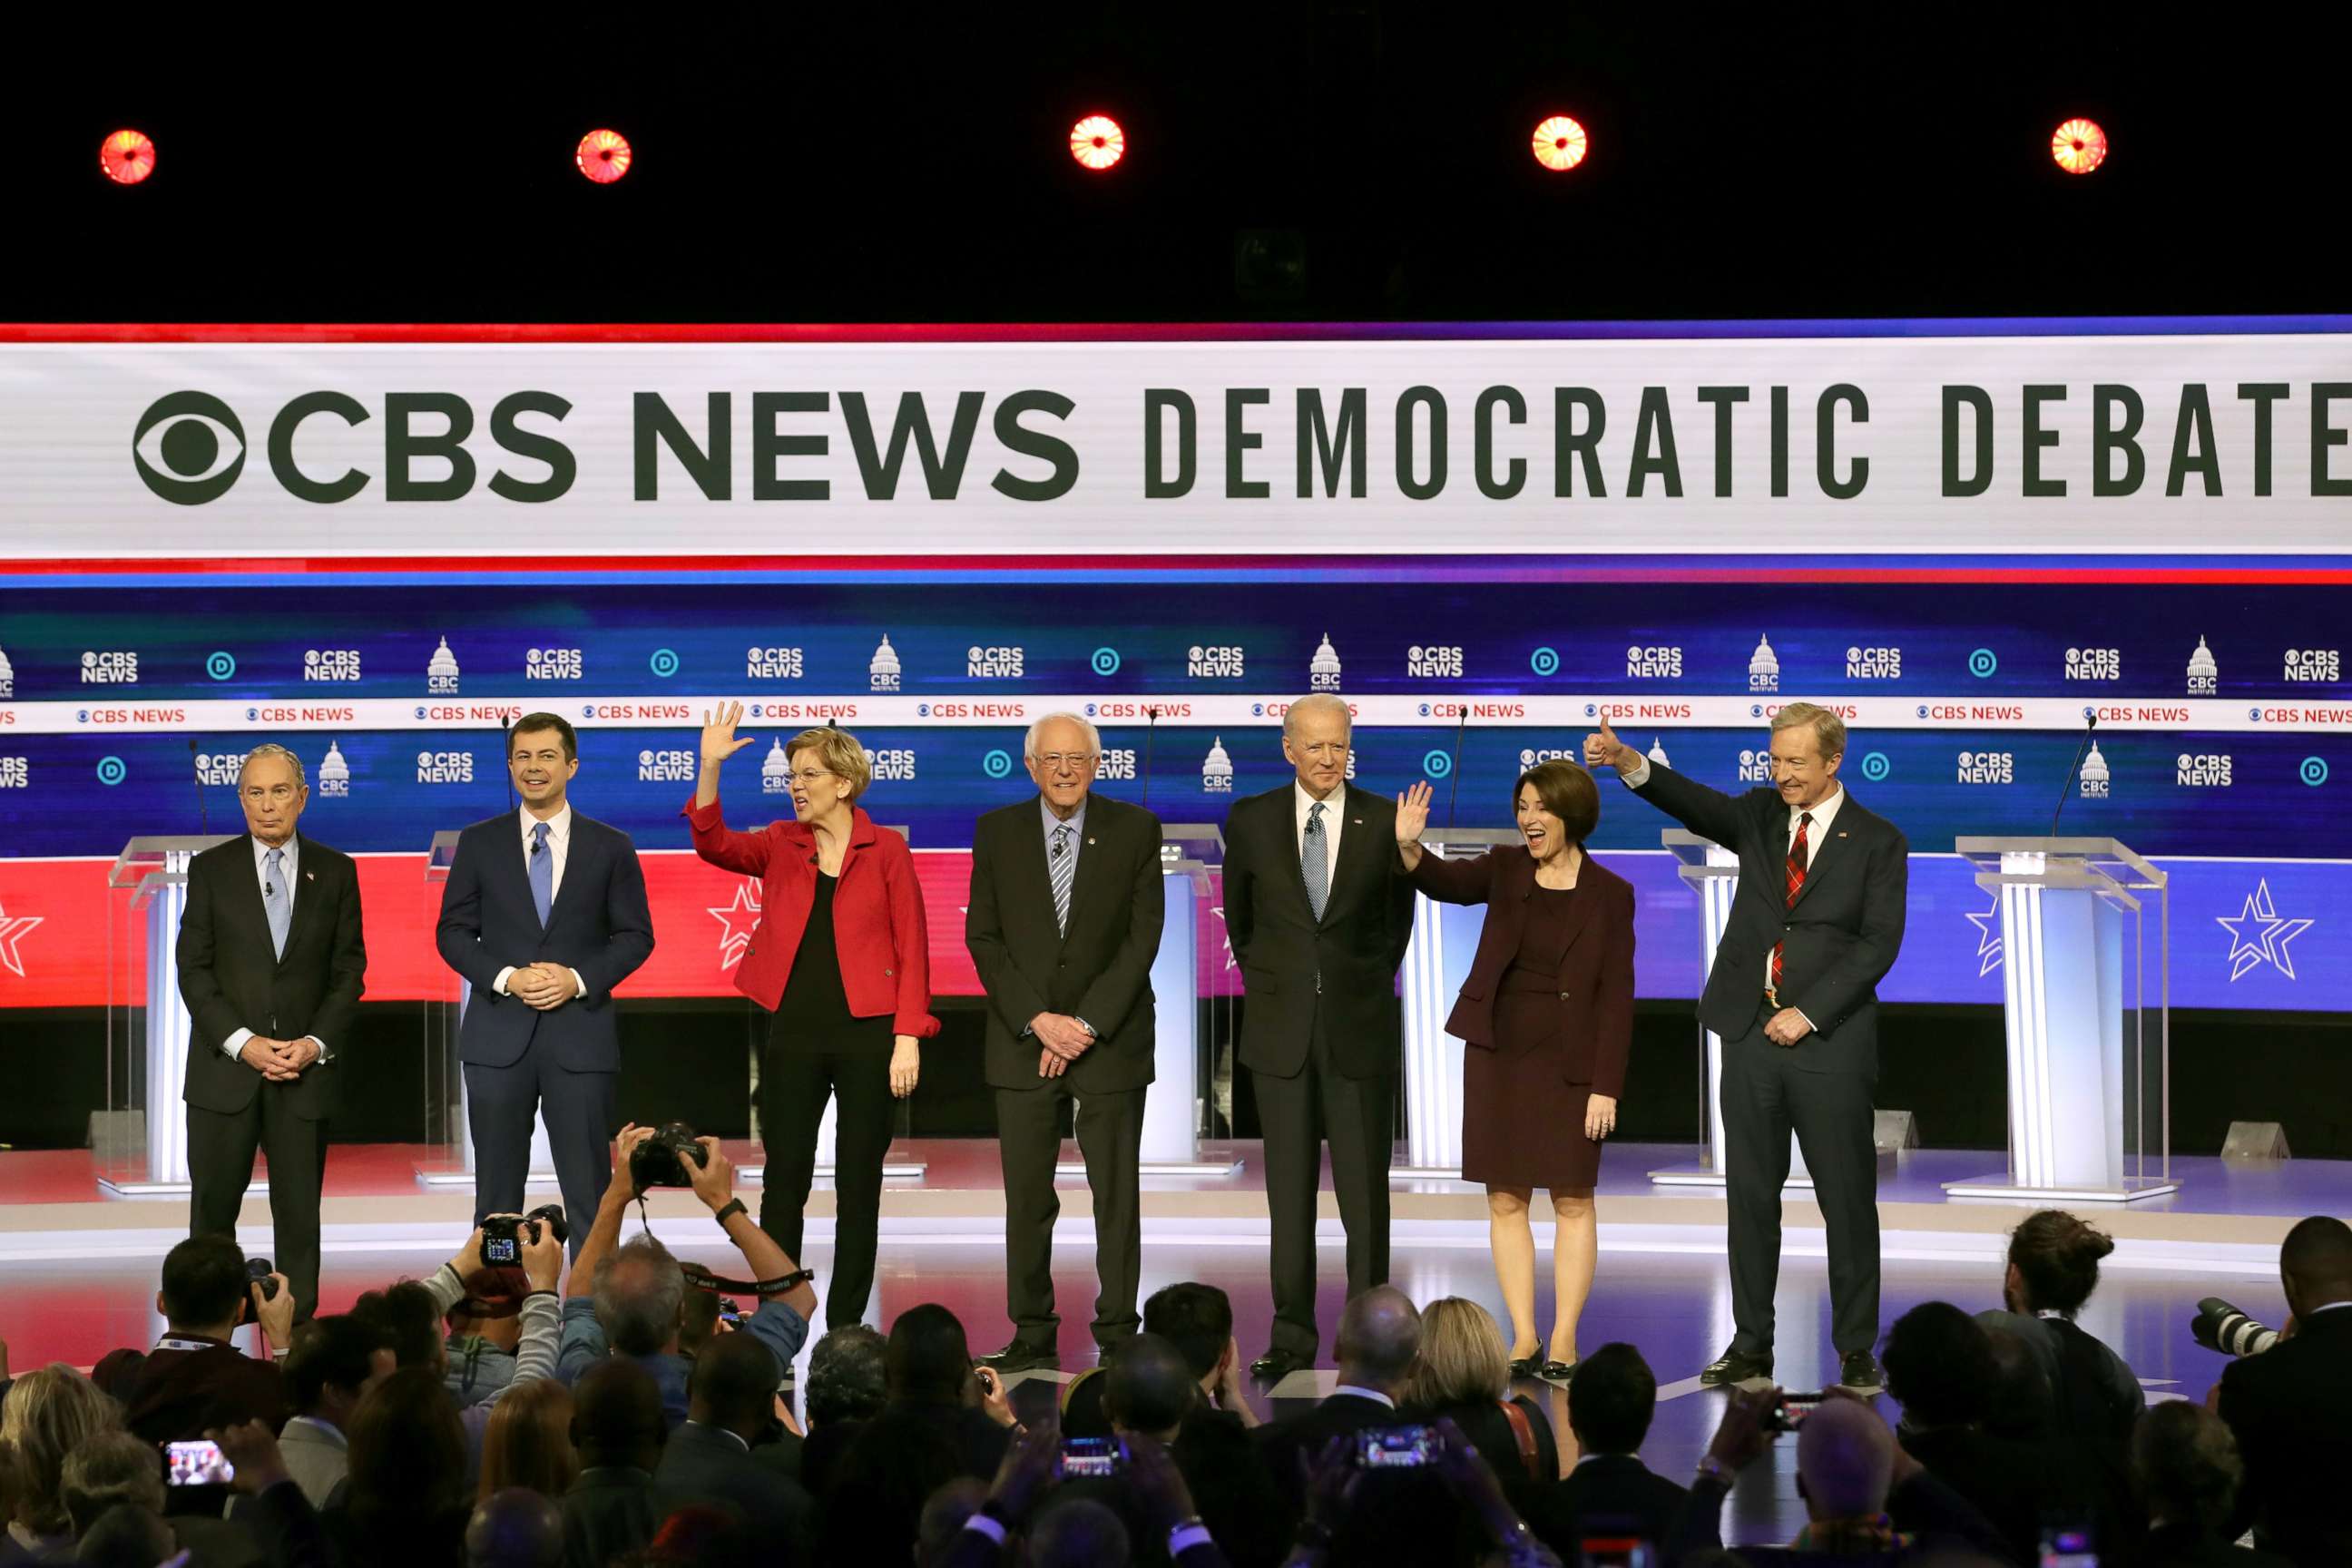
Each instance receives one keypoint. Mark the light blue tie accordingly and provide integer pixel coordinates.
(1064, 866)
(542, 872)
(277, 898)
(1312, 864)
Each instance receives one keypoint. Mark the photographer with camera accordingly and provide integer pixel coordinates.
(2287, 1407)
(194, 1376)
(537, 1247)
(630, 1300)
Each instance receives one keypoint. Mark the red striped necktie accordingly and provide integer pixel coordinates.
(1799, 856)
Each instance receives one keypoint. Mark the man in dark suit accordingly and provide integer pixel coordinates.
(544, 915)
(1610, 1400)
(1318, 913)
(1063, 924)
(1378, 1344)
(731, 1402)
(617, 1428)
(272, 963)
(1815, 926)
(2287, 1406)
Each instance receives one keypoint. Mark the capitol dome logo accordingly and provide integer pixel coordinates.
(441, 674)
(334, 773)
(776, 770)
(1217, 769)
(883, 671)
(1323, 671)
(2095, 775)
(1764, 667)
(1657, 753)
(2204, 675)
(7, 675)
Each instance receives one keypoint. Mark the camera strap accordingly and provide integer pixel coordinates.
(702, 1278)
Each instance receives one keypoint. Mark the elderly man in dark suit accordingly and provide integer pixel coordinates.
(544, 913)
(1318, 913)
(1063, 924)
(272, 963)
(1814, 927)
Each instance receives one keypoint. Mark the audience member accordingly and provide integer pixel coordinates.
(619, 1429)
(48, 1415)
(1078, 1533)
(1152, 1397)
(848, 1384)
(272, 1509)
(698, 1321)
(112, 1468)
(2186, 1465)
(1465, 1375)
(1941, 1370)
(528, 1445)
(195, 1378)
(1612, 1396)
(944, 1512)
(1378, 1344)
(485, 1332)
(335, 1362)
(932, 1428)
(1198, 1320)
(407, 1315)
(404, 1502)
(1070, 1523)
(2017, 1402)
(731, 1400)
(2290, 1407)
(630, 1300)
(515, 1528)
(701, 1535)
(125, 1536)
(1456, 1485)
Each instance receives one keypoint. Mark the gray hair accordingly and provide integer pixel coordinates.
(1321, 702)
(1029, 742)
(272, 748)
(846, 1378)
(640, 1295)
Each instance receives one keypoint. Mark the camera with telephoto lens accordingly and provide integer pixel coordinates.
(2219, 1326)
(660, 1160)
(262, 1272)
(505, 1236)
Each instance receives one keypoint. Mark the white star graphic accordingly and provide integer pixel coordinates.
(2268, 945)
(1988, 938)
(1231, 962)
(732, 942)
(13, 930)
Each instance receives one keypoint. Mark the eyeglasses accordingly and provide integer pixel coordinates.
(1054, 761)
(810, 775)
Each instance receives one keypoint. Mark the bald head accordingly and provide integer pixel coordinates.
(1149, 1386)
(1379, 1339)
(514, 1528)
(2315, 1263)
(1845, 1457)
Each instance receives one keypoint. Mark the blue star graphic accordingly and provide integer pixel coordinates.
(2269, 944)
(1988, 938)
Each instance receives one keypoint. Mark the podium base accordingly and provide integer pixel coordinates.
(1708, 1177)
(1425, 1173)
(892, 1171)
(450, 1178)
(140, 1187)
(2130, 1190)
(1162, 1168)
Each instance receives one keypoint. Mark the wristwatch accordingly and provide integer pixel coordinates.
(732, 1207)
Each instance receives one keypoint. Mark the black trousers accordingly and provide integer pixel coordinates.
(221, 1146)
(1764, 1098)
(1358, 1117)
(502, 1103)
(1028, 1142)
(797, 1075)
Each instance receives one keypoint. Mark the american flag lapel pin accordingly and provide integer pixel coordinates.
(309, 876)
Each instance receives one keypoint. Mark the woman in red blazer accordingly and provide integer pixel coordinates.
(840, 961)
(1547, 1016)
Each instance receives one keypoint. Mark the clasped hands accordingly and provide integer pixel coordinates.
(542, 986)
(280, 1061)
(1787, 1026)
(1064, 1039)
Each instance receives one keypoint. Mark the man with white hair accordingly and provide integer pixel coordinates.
(1319, 912)
(1063, 924)
(271, 966)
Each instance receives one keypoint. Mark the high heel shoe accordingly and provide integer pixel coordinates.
(1526, 1366)
(1558, 1371)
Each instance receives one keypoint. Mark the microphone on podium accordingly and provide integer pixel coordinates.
(2074, 769)
(203, 820)
(1150, 727)
(506, 756)
(1453, 769)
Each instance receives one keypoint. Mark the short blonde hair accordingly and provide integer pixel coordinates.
(47, 1414)
(1828, 730)
(1462, 1358)
(838, 752)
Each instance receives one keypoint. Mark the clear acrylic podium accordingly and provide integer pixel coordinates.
(1444, 943)
(2088, 1027)
(1715, 872)
(152, 1045)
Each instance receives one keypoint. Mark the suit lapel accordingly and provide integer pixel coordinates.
(1826, 844)
(304, 886)
(576, 858)
(248, 878)
(1093, 847)
(1352, 851)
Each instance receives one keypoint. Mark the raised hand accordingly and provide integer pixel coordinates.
(720, 740)
(1413, 813)
(1606, 751)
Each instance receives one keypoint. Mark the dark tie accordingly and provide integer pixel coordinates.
(542, 872)
(1800, 855)
(1064, 866)
(1312, 863)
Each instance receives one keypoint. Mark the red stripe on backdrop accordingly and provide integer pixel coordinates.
(66, 940)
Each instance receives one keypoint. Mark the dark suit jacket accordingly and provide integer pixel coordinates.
(2289, 1408)
(705, 1465)
(1099, 971)
(608, 1511)
(600, 925)
(2010, 1480)
(231, 980)
(1285, 952)
(1842, 937)
(1280, 1443)
(1606, 1488)
(1596, 968)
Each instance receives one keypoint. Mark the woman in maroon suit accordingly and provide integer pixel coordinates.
(841, 962)
(1546, 1015)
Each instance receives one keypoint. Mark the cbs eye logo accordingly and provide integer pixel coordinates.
(189, 446)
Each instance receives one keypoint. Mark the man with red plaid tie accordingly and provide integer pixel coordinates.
(1815, 925)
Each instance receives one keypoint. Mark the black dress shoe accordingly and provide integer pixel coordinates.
(1526, 1366)
(1558, 1371)
(1018, 1357)
(1278, 1363)
(1735, 1366)
(1858, 1370)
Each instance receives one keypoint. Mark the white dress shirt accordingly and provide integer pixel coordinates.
(292, 851)
(558, 850)
(1334, 806)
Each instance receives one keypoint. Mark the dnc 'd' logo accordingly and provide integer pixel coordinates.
(189, 448)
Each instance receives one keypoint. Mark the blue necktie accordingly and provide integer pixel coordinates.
(1064, 866)
(1312, 863)
(277, 899)
(542, 872)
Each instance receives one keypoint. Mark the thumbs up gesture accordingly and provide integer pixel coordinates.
(1606, 751)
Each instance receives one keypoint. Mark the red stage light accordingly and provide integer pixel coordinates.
(603, 156)
(1560, 143)
(127, 157)
(1097, 142)
(2079, 145)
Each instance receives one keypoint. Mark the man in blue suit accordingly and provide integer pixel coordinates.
(544, 915)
